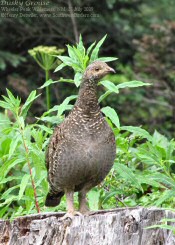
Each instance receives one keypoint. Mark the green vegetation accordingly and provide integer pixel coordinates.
(143, 172)
(141, 34)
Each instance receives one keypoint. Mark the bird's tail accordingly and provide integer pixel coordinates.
(53, 200)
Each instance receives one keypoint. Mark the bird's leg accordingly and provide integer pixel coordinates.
(83, 203)
(70, 201)
(70, 205)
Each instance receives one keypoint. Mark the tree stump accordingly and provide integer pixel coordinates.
(107, 227)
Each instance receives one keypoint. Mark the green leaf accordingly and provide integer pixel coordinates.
(13, 145)
(71, 52)
(9, 164)
(63, 106)
(9, 178)
(94, 54)
(23, 185)
(103, 96)
(167, 194)
(107, 59)
(5, 105)
(32, 96)
(90, 48)
(47, 83)
(8, 191)
(66, 80)
(77, 79)
(127, 174)
(29, 198)
(44, 128)
(111, 113)
(14, 101)
(138, 132)
(109, 85)
(163, 179)
(93, 197)
(80, 46)
(60, 67)
(132, 84)
(66, 60)
(9, 200)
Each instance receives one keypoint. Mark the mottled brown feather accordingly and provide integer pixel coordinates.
(82, 148)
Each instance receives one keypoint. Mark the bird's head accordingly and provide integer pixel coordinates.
(97, 70)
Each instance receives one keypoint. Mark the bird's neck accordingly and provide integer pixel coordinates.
(87, 99)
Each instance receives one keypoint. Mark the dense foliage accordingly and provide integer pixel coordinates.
(137, 178)
(141, 34)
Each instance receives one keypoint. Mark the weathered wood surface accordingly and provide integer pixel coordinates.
(112, 227)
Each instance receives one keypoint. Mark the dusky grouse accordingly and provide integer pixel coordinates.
(82, 148)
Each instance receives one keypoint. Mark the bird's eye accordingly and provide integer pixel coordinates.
(96, 69)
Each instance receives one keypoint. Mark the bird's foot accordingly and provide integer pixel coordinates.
(70, 215)
(84, 210)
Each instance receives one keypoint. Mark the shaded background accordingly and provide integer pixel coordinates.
(141, 33)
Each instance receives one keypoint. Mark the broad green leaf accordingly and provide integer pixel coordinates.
(60, 67)
(103, 96)
(111, 113)
(138, 132)
(127, 174)
(23, 185)
(80, 57)
(93, 197)
(65, 59)
(66, 80)
(53, 120)
(13, 145)
(5, 105)
(94, 54)
(71, 52)
(80, 46)
(164, 196)
(32, 96)
(21, 122)
(109, 85)
(9, 178)
(47, 83)
(29, 198)
(8, 191)
(90, 48)
(3, 211)
(9, 200)
(63, 106)
(151, 159)
(146, 179)
(107, 59)
(163, 179)
(9, 164)
(44, 128)
(77, 79)
(15, 102)
(109, 195)
(132, 84)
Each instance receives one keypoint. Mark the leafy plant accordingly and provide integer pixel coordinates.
(143, 171)
(45, 58)
(9, 58)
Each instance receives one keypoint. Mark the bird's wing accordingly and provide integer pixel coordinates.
(54, 142)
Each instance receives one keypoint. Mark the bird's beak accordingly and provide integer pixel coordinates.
(110, 70)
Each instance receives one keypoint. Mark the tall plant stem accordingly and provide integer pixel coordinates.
(47, 90)
(30, 169)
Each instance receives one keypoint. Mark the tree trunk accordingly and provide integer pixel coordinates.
(107, 227)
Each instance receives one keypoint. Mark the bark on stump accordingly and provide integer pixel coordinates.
(108, 227)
